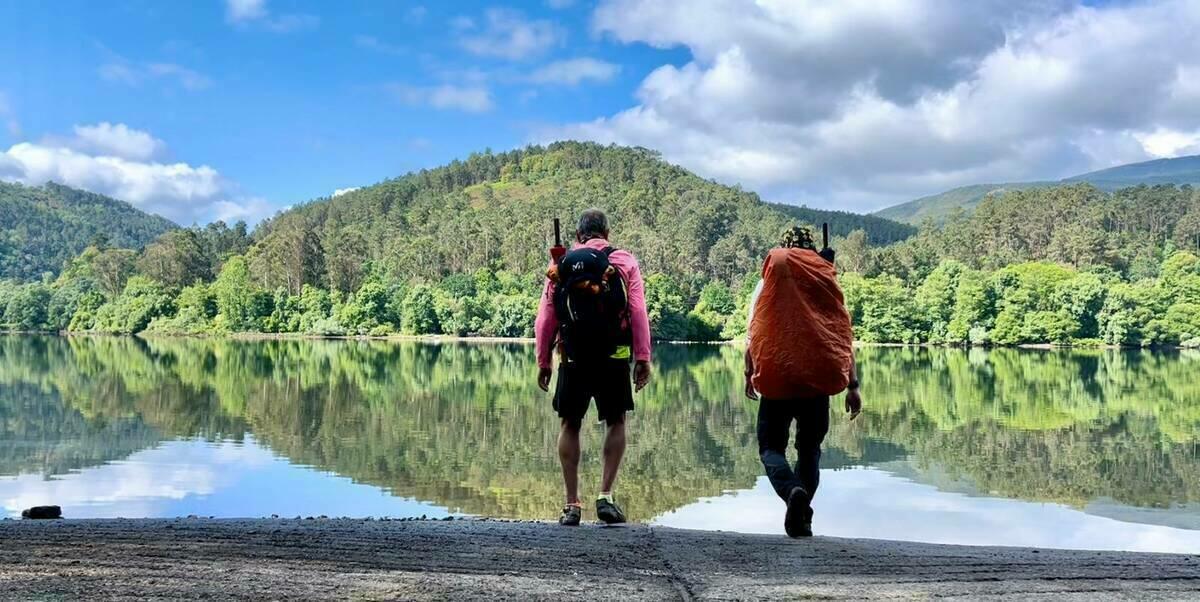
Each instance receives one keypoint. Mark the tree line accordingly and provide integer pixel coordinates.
(460, 250)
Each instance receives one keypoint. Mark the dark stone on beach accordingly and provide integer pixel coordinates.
(42, 512)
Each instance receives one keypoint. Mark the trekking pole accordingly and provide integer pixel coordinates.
(558, 250)
(826, 252)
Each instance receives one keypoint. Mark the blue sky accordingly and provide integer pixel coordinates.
(294, 111)
(235, 108)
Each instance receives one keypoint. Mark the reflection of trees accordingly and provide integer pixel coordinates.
(1058, 426)
(463, 424)
(39, 433)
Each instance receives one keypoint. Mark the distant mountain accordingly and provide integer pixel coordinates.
(43, 226)
(939, 206)
(1181, 170)
(879, 230)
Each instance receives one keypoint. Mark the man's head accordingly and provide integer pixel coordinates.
(797, 237)
(592, 224)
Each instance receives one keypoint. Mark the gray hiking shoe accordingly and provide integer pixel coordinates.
(798, 521)
(570, 516)
(609, 512)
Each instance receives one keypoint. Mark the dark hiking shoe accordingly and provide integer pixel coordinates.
(798, 521)
(609, 512)
(570, 516)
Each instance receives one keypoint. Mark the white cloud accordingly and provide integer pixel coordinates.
(573, 71)
(250, 210)
(117, 140)
(124, 163)
(341, 191)
(1164, 142)
(245, 10)
(468, 98)
(121, 71)
(507, 34)
(256, 13)
(858, 104)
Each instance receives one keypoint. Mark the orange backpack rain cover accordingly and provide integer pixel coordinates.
(800, 335)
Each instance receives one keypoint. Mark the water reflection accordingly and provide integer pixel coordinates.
(462, 427)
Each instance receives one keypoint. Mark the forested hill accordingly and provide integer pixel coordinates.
(42, 227)
(461, 250)
(495, 210)
(939, 207)
(878, 230)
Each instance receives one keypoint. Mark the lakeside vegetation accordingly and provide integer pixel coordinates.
(460, 250)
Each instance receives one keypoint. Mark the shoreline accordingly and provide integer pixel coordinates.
(488, 559)
(443, 338)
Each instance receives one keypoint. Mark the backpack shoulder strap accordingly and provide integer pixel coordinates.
(609, 250)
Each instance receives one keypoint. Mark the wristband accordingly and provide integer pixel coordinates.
(852, 385)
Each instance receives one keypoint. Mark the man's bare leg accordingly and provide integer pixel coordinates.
(614, 451)
(568, 455)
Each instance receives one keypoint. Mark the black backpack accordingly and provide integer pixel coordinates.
(592, 305)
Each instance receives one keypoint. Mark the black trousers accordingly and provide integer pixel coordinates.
(775, 418)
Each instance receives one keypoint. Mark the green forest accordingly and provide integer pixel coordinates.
(460, 250)
(1062, 426)
(41, 228)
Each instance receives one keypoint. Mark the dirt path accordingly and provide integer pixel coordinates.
(365, 560)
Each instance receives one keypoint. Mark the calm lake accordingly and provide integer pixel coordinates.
(1092, 449)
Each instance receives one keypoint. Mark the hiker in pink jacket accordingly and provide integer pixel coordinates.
(593, 309)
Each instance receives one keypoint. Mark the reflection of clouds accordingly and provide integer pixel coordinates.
(226, 479)
(869, 503)
(133, 487)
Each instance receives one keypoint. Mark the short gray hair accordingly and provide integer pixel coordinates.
(593, 223)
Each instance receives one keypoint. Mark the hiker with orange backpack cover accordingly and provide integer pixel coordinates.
(800, 352)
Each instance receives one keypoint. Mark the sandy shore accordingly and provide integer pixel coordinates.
(478, 559)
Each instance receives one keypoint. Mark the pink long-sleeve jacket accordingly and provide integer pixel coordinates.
(546, 327)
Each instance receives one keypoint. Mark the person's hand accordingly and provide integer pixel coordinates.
(641, 374)
(750, 392)
(544, 375)
(853, 403)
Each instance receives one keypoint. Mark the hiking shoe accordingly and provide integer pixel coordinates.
(570, 515)
(608, 512)
(798, 521)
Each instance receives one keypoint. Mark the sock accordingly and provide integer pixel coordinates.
(608, 496)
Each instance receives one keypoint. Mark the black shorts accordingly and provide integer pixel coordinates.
(608, 381)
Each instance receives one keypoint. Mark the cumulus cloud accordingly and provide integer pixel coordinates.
(122, 71)
(256, 13)
(117, 140)
(858, 104)
(127, 164)
(571, 72)
(468, 98)
(341, 191)
(507, 34)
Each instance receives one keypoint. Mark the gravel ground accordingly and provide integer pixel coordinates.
(323, 559)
